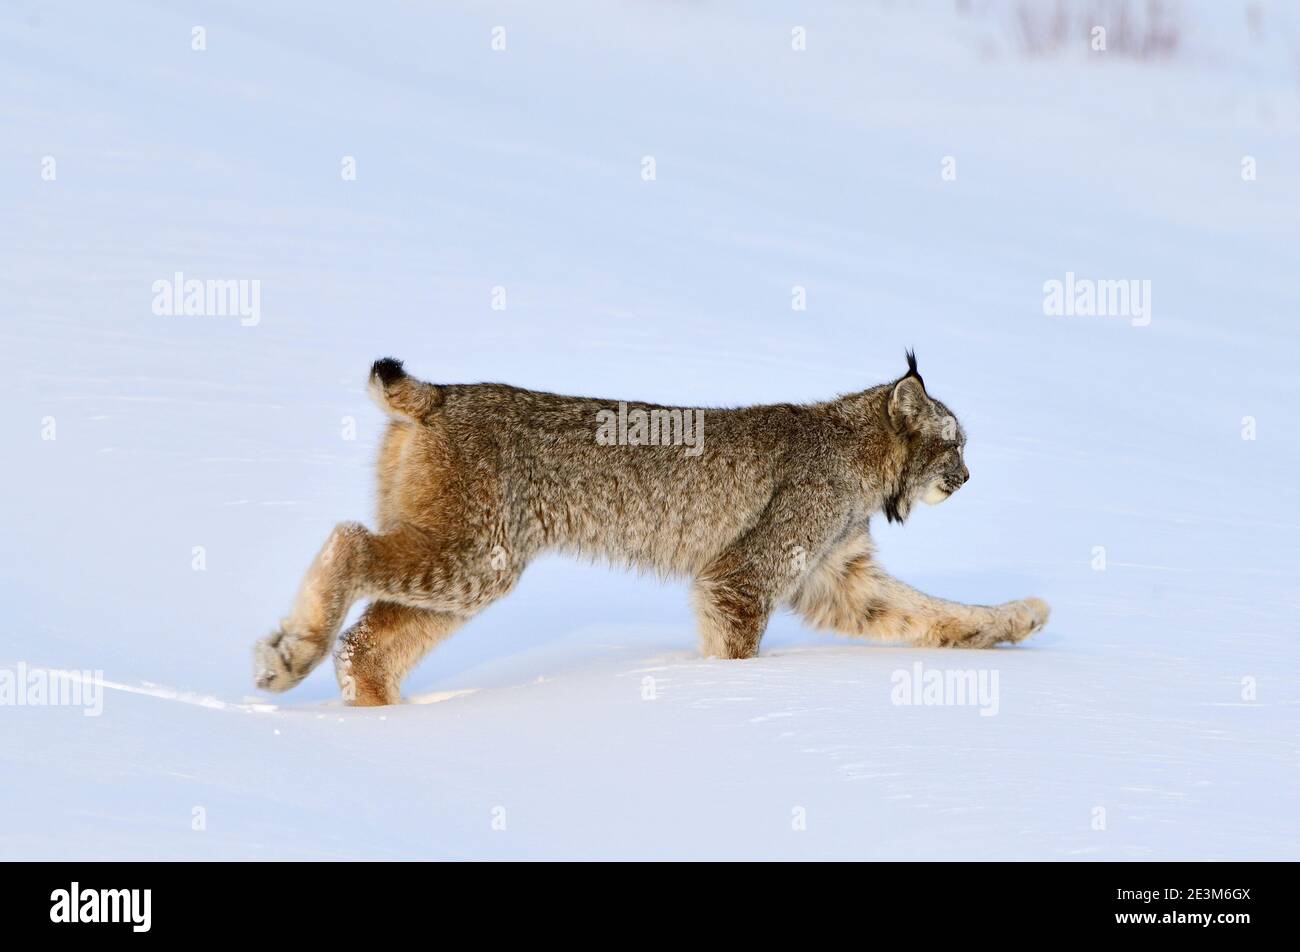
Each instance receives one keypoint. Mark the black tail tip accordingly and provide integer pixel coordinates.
(388, 370)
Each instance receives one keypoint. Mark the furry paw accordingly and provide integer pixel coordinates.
(1028, 616)
(281, 660)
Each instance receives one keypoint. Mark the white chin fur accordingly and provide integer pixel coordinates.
(935, 495)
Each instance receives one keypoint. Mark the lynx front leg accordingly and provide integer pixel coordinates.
(288, 655)
(856, 597)
(733, 605)
(737, 592)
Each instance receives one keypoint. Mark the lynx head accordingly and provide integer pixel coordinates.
(932, 442)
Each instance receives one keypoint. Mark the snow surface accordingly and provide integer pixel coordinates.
(522, 169)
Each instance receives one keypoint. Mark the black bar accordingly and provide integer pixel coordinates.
(258, 902)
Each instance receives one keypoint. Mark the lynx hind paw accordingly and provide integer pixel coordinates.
(281, 660)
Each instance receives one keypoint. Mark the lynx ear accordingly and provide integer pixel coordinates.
(908, 403)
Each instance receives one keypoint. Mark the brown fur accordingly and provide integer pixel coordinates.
(773, 509)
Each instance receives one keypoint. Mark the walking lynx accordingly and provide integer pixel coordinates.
(760, 506)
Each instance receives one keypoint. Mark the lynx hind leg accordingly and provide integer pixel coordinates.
(858, 598)
(405, 565)
(286, 656)
(375, 655)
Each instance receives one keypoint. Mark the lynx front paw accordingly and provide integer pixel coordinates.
(1028, 616)
(281, 660)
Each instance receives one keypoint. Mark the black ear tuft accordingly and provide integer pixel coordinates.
(911, 367)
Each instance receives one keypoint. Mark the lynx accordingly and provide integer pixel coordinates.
(768, 506)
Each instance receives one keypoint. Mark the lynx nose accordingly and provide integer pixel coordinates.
(965, 474)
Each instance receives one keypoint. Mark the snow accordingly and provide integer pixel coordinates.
(1160, 703)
